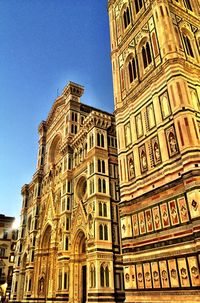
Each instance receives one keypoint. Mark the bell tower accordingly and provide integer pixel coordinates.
(155, 47)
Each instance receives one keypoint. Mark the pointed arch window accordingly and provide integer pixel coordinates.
(100, 209)
(188, 46)
(138, 5)
(132, 70)
(188, 5)
(105, 232)
(101, 232)
(146, 54)
(68, 203)
(126, 17)
(104, 275)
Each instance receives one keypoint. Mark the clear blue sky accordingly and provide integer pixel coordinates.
(43, 45)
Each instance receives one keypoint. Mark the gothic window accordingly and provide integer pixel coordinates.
(100, 209)
(105, 232)
(104, 275)
(32, 256)
(29, 285)
(101, 166)
(2, 252)
(91, 167)
(188, 5)
(138, 5)
(105, 209)
(126, 17)
(66, 243)
(146, 55)
(68, 203)
(132, 70)
(16, 286)
(107, 276)
(104, 186)
(100, 140)
(74, 117)
(188, 45)
(91, 141)
(101, 186)
(67, 224)
(65, 280)
(92, 276)
(101, 232)
(60, 279)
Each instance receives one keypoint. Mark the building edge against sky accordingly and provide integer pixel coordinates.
(155, 48)
(69, 246)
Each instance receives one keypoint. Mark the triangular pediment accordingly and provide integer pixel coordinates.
(55, 111)
(79, 219)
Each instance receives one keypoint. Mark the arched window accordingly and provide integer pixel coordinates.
(105, 232)
(98, 140)
(188, 5)
(68, 203)
(99, 165)
(99, 185)
(103, 167)
(67, 224)
(29, 285)
(132, 70)
(138, 5)
(105, 210)
(66, 243)
(144, 57)
(65, 280)
(60, 279)
(91, 140)
(19, 261)
(107, 276)
(146, 54)
(100, 209)
(126, 17)
(101, 232)
(188, 46)
(104, 186)
(102, 276)
(102, 140)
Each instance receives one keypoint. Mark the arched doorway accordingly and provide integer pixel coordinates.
(23, 278)
(45, 264)
(79, 272)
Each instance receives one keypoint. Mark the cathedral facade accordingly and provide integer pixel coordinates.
(68, 247)
(155, 47)
(91, 234)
